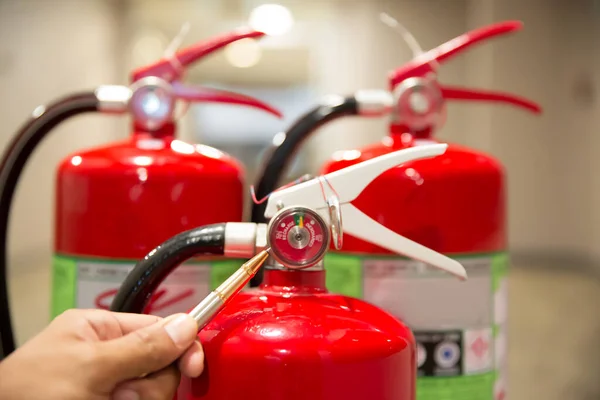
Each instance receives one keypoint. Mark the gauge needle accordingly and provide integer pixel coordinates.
(299, 220)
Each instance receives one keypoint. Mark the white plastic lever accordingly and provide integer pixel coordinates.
(348, 183)
(361, 226)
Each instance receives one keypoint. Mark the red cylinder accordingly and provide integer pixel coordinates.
(291, 339)
(452, 204)
(455, 205)
(115, 203)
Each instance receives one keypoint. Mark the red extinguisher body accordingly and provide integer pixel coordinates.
(159, 184)
(277, 342)
(151, 181)
(453, 204)
(291, 338)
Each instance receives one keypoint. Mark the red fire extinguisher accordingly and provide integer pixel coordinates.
(291, 338)
(117, 202)
(454, 204)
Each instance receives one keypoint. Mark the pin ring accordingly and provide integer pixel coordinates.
(335, 215)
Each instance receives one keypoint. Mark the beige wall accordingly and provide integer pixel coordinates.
(49, 48)
(548, 159)
(55, 47)
(592, 152)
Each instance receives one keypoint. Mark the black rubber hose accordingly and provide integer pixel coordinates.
(14, 160)
(282, 154)
(135, 292)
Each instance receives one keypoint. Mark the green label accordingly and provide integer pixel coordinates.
(457, 325)
(477, 387)
(64, 277)
(499, 269)
(221, 270)
(93, 283)
(344, 275)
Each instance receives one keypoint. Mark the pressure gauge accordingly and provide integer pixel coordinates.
(298, 237)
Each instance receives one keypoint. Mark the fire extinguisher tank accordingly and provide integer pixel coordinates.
(140, 192)
(308, 344)
(453, 204)
(116, 203)
(291, 338)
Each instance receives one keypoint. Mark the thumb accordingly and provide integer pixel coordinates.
(149, 349)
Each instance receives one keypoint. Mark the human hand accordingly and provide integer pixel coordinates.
(97, 354)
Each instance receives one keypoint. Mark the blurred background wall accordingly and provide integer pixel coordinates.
(54, 47)
(48, 48)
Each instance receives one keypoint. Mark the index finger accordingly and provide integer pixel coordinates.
(129, 322)
(111, 325)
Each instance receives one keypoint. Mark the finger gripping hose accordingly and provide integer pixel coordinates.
(13, 163)
(135, 292)
(282, 154)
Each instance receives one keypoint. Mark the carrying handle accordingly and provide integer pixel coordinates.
(421, 65)
(348, 182)
(364, 227)
(416, 84)
(165, 68)
(202, 94)
(457, 93)
(157, 87)
(345, 185)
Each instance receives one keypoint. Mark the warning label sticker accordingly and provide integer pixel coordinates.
(97, 284)
(460, 327)
(443, 353)
(479, 348)
(81, 283)
(426, 298)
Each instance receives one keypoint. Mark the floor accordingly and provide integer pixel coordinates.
(554, 328)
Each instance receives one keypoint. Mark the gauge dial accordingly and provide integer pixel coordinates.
(298, 237)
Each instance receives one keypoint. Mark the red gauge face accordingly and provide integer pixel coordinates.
(298, 237)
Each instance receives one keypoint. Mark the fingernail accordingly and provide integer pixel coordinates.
(125, 394)
(182, 330)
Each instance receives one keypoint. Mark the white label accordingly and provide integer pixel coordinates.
(459, 326)
(426, 298)
(453, 321)
(501, 302)
(184, 288)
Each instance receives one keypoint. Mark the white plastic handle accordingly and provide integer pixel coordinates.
(348, 182)
(361, 226)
